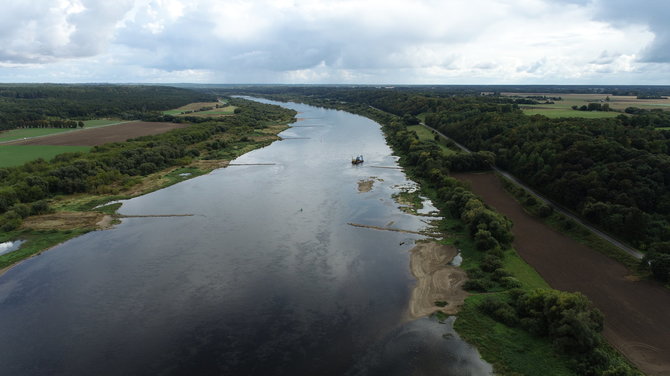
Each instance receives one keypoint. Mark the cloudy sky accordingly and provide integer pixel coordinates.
(336, 41)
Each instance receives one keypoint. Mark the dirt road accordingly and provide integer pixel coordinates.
(637, 313)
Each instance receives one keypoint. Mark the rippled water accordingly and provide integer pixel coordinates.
(266, 278)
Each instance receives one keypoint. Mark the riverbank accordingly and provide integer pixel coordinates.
(75, 215)
(492, 275)
(634, 310)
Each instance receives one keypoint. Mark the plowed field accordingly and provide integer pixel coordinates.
(637, 313)
(103, 135)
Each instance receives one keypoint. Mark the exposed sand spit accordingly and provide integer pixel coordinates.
(365, 185)
(436, 280)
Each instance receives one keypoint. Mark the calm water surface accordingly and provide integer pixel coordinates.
(266, 277)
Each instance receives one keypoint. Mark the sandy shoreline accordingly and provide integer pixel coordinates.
(437, 281)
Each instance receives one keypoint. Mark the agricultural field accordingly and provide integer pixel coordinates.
(19, 134)
(194, 109)
(47, 146)
(16, 155)
(563, 108)
(103, 135)
(102, 122)
(425, 134)
(554, 112)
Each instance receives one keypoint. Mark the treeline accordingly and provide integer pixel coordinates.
(51, 123)
(568, 320)
(28, 105)
(612, 172)
(24, 190)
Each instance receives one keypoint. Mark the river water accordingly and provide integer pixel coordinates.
(266, 277)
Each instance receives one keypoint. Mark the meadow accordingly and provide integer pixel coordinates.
(16, 155)
(194, 109)
(426, 135)
(563, 108)
(21, 133)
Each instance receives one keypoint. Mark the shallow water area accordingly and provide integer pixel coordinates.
(266, 278)
(11, 246)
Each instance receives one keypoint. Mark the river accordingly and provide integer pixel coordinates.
(266, 277)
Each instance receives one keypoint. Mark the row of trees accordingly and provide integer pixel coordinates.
(32, 105)
(49, 123)
(568, 320)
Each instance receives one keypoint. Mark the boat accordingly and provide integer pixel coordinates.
(357, 160)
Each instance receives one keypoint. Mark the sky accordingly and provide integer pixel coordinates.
(336, 42)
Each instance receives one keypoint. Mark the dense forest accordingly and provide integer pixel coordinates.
(25, 190)
(39, 106)
(613, 172)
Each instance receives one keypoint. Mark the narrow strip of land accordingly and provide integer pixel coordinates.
(252, 164)
(154, 215)
(389, 167)
(387, 229)
(636, 312)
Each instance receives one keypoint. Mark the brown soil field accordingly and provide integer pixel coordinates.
(103, 135)
(637, 313)
(67, 221)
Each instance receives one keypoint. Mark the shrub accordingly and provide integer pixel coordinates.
(480, 285)
(543, 210)
(490, 263)
(499, 274)
(10, 221)
(511, 282)
(499, 310)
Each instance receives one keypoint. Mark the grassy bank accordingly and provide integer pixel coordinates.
(36, 242)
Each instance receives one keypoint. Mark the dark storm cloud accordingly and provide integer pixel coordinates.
(651, 13)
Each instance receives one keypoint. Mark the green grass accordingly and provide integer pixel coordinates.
(36, 242)
(182, 174)
(228, 110)
(219, 111)
(18, 134)
(173, 112)
(523, 272)
(512, 351)
(426, 135)
(102, 122)
(568, 112)
(16, 155)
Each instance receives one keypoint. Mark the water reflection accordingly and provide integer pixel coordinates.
(7, 247)
(265, 278)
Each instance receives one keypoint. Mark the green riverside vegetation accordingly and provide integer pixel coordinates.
(15, 155)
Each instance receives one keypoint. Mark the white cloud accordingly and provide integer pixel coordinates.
(373, 41)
